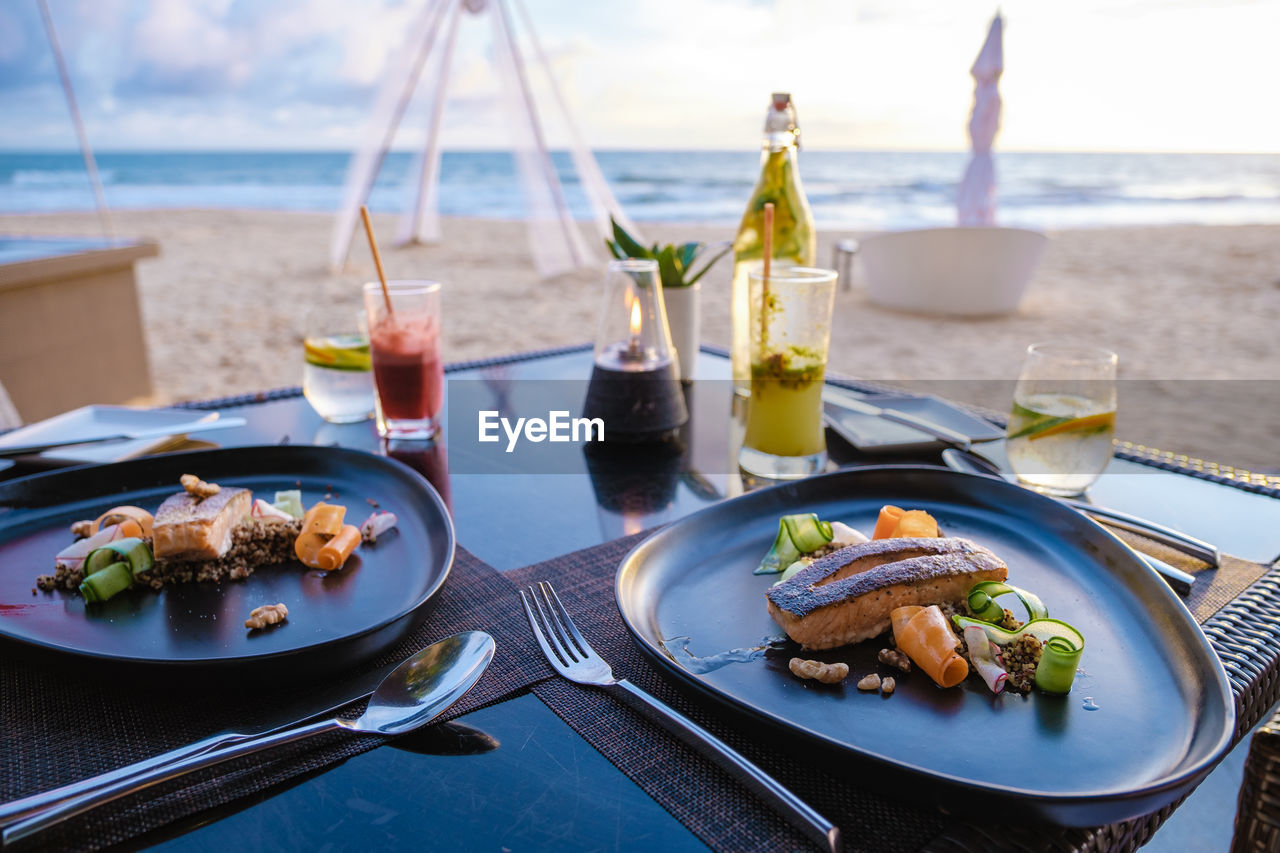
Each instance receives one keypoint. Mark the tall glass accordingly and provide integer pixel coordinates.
(790, 338)
(336, 374)
(407, 371)
(1064, 417)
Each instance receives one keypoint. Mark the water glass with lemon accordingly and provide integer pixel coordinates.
(337, 375)
(1060, 433)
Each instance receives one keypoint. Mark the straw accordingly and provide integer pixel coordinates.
(377, 258)
(764, 280)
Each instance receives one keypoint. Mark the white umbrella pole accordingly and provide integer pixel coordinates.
(421, 223)
(388, 113)
(603, 202)
(91, 165)
(573, 240)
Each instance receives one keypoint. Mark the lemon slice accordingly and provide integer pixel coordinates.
(1059, 425)
(338, 352)
(1102, 420)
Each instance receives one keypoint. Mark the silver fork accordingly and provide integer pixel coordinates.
(572, 656)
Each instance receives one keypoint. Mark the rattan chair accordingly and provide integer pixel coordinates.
(1258, 811)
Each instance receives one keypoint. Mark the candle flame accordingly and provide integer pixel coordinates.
(635, 318)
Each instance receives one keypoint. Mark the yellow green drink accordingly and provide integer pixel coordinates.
(784, 417)
(790, 332)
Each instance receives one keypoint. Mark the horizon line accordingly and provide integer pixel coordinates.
(626, 150)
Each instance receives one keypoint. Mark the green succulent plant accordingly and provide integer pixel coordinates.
(675, 263)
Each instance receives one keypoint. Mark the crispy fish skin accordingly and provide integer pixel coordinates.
(847, 596)
(199, 529)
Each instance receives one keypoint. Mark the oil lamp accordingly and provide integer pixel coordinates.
(635, 382)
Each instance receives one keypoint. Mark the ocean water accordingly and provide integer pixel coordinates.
(847, 189)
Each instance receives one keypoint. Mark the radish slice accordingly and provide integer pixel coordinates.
(72, 556)
(983, 654)
(377, 524)
(844, 535)
(268, 512)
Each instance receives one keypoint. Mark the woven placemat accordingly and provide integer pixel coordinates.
(718, 810)
(1213, 588)
(58, 728)
(48, 740)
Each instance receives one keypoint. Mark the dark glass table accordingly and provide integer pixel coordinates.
(543, 787)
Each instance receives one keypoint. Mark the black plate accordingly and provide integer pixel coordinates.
(1164, 708)
(335, 618)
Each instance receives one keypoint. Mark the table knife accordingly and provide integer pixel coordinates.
(853, 404)
(1176, 539)
(157, 432)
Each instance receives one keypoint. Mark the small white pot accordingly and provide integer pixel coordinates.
(684, 316)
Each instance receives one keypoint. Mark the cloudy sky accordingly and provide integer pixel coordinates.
(1191, 75)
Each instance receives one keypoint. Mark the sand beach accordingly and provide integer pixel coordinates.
(1193, 309)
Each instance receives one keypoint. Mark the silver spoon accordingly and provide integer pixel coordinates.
(413, 694)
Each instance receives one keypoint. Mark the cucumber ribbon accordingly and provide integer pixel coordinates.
(1061, 648)
(113, 567)
(132, 551)
(983, 605)
(797, 534)
(105, 583)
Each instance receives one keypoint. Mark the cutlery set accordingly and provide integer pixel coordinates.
(408, 697)
(572, 656)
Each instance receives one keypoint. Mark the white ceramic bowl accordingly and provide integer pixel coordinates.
(956, 271)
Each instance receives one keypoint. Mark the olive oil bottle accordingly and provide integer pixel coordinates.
(795, 240)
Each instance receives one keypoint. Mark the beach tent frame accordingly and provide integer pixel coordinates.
(554, 238)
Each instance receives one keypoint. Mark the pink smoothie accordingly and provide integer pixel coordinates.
(407, 367)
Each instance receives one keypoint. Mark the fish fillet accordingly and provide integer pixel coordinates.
(847, 596)
(199, 529)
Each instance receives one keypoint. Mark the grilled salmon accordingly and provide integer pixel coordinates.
(189, 527)
(846, 597)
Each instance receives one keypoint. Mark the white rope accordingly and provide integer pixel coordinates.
(366, 163)
(603, 202)
(554, 238)
(421, 221)
(91, 165)
(530, 161)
